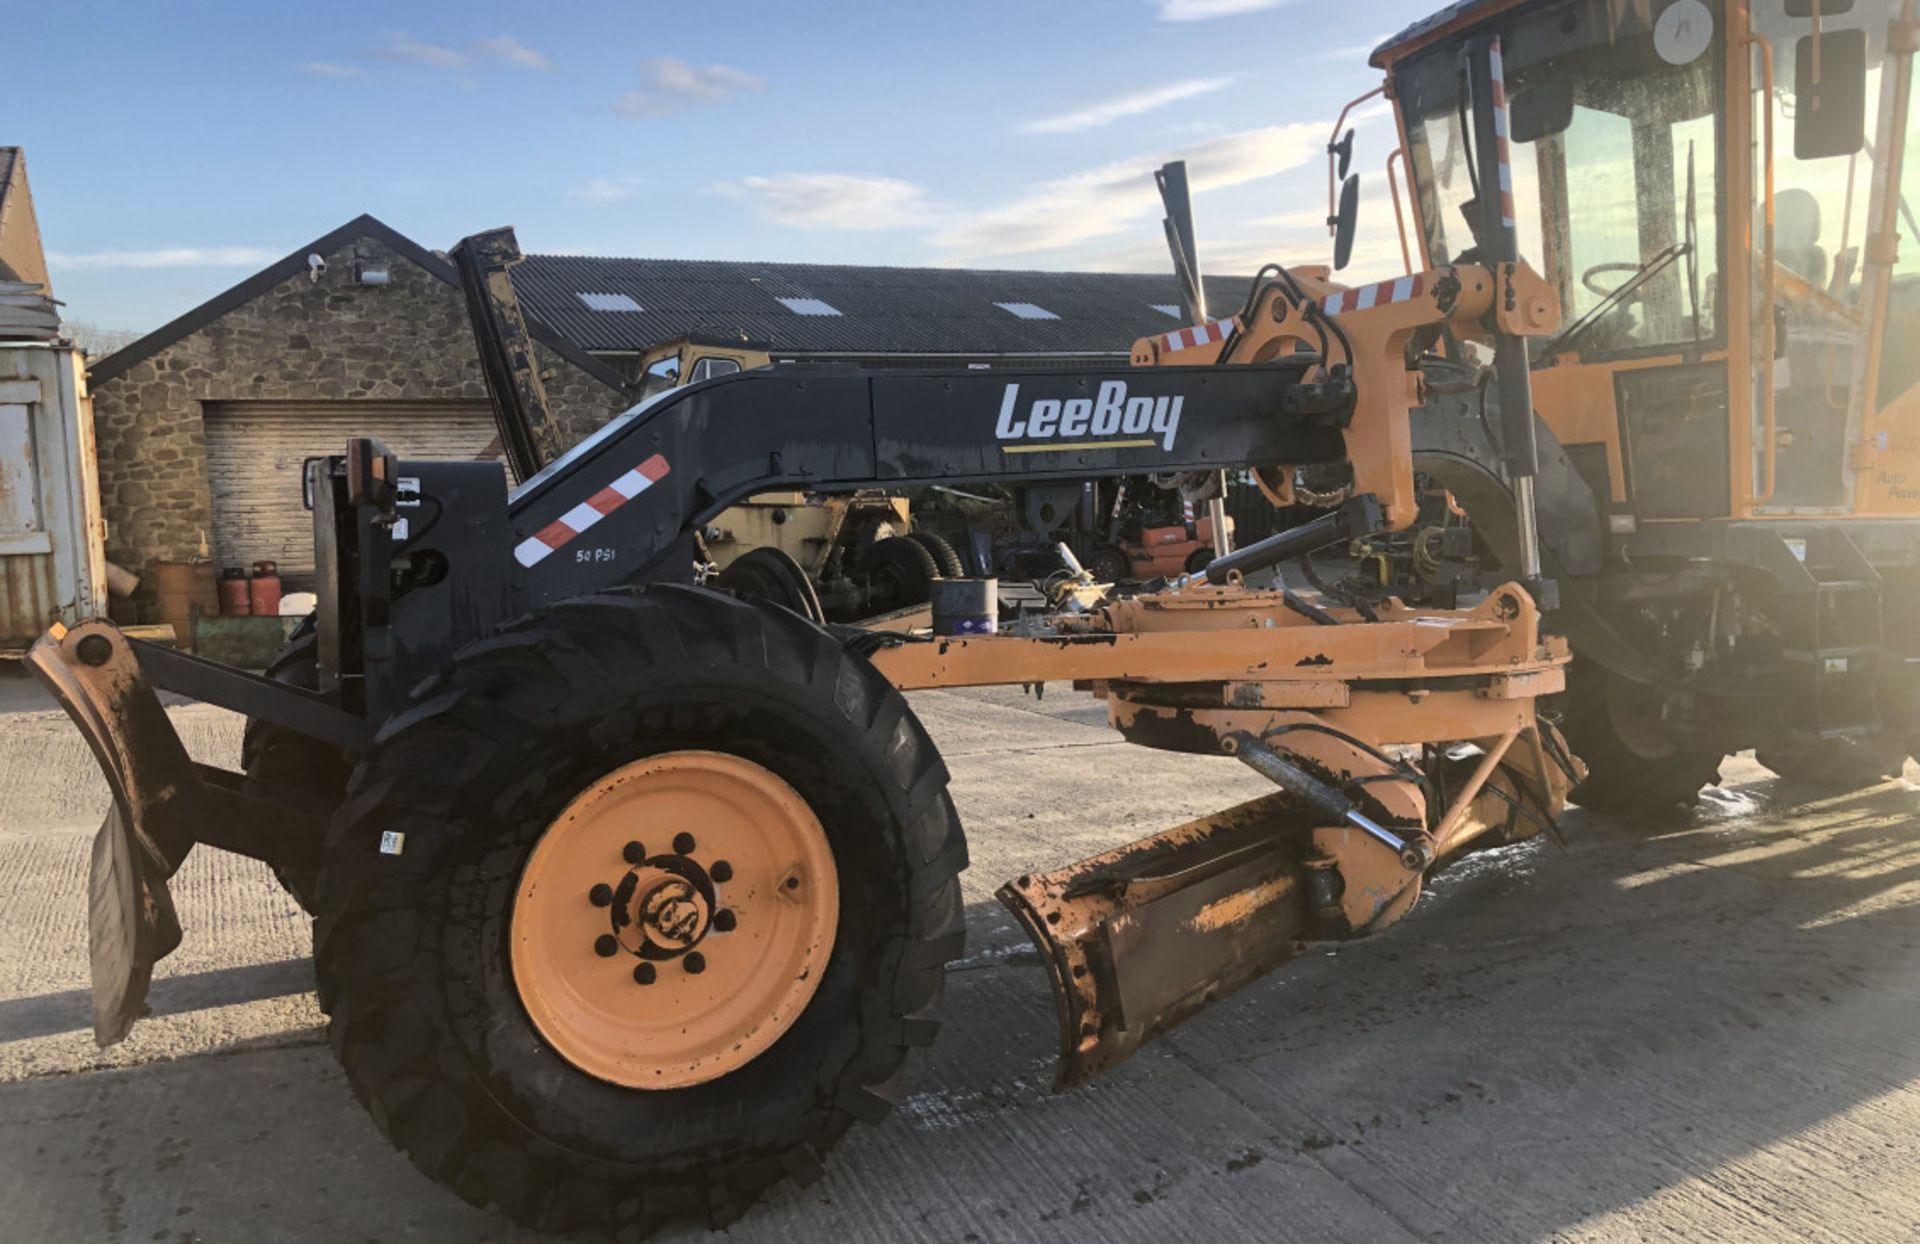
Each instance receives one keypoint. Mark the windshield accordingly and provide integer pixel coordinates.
(1615, 164)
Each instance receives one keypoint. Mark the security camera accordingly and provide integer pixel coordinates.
(315, 266)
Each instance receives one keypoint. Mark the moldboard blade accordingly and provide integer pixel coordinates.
(1145, 936)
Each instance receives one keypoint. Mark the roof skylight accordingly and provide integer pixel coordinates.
(1026, 310)
(808, 306)
(609, 302)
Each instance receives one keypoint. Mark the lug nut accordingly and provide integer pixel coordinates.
(723, 921)
(643, 973)
(606, 945)
(601, 895)
(683, 844)
(633, 853)
(696, 962)
(721, 871)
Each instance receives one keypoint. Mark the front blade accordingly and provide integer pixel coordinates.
(149, 828)
(1143, 937)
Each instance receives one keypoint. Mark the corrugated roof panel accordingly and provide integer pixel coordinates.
(882, 310)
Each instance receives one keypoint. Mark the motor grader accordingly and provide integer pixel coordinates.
(632, 893)
(1729, 417)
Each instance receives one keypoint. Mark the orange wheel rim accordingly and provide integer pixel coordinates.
(674, 920)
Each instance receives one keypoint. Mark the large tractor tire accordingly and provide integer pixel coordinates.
(1838, 765)
(946, 558)
(905, 566)
(283, 757)
(1635, 764)
(636, 908)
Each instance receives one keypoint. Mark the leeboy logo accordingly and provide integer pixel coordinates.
(1108, 420)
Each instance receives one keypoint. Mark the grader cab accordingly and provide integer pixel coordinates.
(1729, 414)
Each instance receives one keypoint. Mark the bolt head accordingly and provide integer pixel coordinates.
(94, 650)
(601, 895)
(683, 844)
(606, 945)
(721, 871)
(695, 962)
(644, 973)
(724, 921)
(633, 853)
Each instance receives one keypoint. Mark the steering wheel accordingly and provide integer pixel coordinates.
(1587, 278)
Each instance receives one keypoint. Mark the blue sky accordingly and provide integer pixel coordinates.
(175, 148)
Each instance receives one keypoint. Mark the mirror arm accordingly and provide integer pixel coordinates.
(1333, 141)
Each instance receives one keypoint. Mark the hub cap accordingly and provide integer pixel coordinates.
(674, 920)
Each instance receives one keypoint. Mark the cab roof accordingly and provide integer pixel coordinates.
(1460, 13)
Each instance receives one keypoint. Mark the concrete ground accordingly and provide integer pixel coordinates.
(1694, 1030)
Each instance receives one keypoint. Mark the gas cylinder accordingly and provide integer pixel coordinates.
(264, 589)
(235, 600)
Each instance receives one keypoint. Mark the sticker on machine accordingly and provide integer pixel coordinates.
(543, 543)
(1684, 32)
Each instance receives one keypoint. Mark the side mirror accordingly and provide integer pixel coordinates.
(1344, 222)
(1342, 153)
(1830, 94)
(372, 474)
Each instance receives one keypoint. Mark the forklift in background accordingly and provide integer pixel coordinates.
(839, 557)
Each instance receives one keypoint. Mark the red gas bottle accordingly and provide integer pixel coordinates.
(264, 590)
(235, 600)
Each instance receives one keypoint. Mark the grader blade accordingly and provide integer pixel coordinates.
(1145, 936)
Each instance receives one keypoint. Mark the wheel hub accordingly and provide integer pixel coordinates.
(669, 969)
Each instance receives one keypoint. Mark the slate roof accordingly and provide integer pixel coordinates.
(124, 359)
(929, 311)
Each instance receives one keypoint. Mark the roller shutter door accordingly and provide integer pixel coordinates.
(254, 456)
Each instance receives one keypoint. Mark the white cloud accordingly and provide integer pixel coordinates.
(404, 47)
(328, 69)
(1120, 196)
(1107, 111)
(169, 257)
(608, 190)
(514, 52)
(1204, 10)
(834, 200)
(668, 83)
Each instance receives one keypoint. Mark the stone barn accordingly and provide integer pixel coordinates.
(203, 425)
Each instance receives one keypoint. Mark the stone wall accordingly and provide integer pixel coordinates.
(303, 340)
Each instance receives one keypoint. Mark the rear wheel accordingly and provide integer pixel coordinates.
(672, 906)
(1110, 564)
(1636, 762)
(1838, 764)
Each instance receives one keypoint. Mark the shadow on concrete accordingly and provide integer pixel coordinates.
(1554, 1036)
(72, 1010)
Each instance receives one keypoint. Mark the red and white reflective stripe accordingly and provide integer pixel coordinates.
(1199, 335)
(1374, 295)
(555, 534)
(1502, 148)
